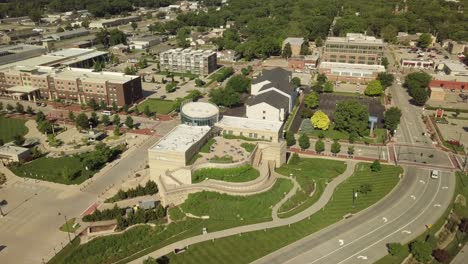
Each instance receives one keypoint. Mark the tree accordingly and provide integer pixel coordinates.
(115, 107)
(318, 88)
(105, 120)
(182, 37)
(463, 225)
(35, 15)
(421, 251)
(397, 249)
(335, 147)
(1, 142)
(102, 105)
(3, 178)
(117, 131)
(305, 48)
(311, 100)
(9, 107)
(239, 83)
(389, 33)
(170, 87)
(98, 66)
(81, 121)
(322, 78)
(93, 104)
(40, 117)
(319, 146)
(116, 120)
(29, 110)
(199, 83)
(125, 108)
(385, 62)
(136, 111)
(295, 159)
(296, 81)
(320, 120)
(425, 40)
(351, 116)
(392, 119)
(147, 111)
(318, 42)
(71, 116)
(350, 150)
(374, 88)
(328, 87)
(287, 51)
(365, 188)
(386, 79)
(304, 142)
(375, 166)
(134, 25)
(420, 96)
(18, 140)
(1, 106)
(129, 122)
(60, 29)
(290, 139)
(224, 96)
(45, 127)
(19, 108)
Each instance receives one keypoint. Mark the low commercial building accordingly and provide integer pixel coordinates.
(17, 35)
(14, 53)
(450, 83)
(199, 114)
(352, 73)
(177, 148)
(119, 49)
(455, 68)
(113, 22)
(295, 43)
(201, 62)
(457, 47)
(228, 55)
(72, 84)
(14, 154)
(304, 62)
(251, 128)
(417, 63)
(142, 43)
(68, 34)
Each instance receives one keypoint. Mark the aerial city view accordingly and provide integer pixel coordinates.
(233, 131)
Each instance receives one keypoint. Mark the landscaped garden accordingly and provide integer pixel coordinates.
(312, 176)
(158, 106)
(67, 169)
(239, 174)
(10, 127)
(245, 248)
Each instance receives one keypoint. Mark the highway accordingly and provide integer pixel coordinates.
(400, 217)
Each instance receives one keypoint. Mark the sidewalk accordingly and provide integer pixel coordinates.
(323, 200)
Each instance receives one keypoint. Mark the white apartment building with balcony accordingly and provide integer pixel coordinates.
(202, 62)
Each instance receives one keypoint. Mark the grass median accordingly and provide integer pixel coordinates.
(253, 245)
(312, 175)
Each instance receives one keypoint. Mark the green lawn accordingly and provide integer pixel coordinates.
(54, 169)
(249, 147)
(208, 144)
(228, 211)
(223, 159)
(239, 174)
(246, 248)
(9, 127)
(68, 226)
(224, 210)
(331, 133)
(158, 106)
(306, 172)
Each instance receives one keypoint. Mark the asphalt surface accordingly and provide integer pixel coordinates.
(400, 217)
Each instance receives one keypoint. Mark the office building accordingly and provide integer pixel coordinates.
(352, 73)
(200, 62)
(354, 49)
(71, 84)
(14, 53)
(113, 22)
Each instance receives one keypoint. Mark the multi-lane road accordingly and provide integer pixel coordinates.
(416, 202)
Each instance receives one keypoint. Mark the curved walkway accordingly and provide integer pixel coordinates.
(291, 193)
(323, 200)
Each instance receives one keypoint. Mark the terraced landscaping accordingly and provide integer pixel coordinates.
(240, 174)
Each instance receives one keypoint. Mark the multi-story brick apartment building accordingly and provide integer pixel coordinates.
(72, 84)
(354, 48)
(200, 62)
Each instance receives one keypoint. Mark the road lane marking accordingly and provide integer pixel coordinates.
(406, 232)
(398, 230)
(413, 197)
(375, 230)
(437, 205)
(421, 181)
(444, 187)
(341, 242)
(362, 257)
(384, 219)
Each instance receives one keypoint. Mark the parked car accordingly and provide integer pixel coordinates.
(435, 174)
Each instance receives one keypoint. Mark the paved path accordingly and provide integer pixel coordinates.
(291, 193)
(462, 256)
(323, 200)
